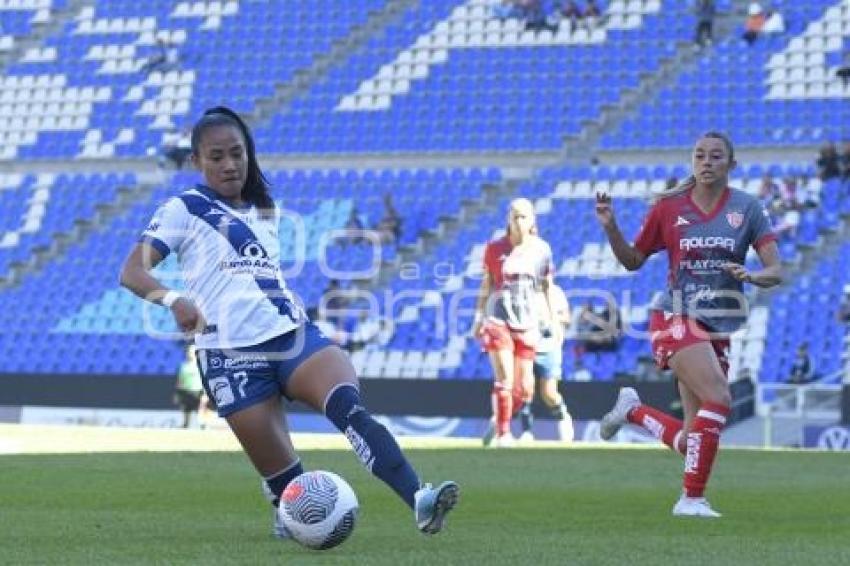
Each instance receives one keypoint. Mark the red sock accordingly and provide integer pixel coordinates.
(662, 426)
(703, 442)
(502, 404)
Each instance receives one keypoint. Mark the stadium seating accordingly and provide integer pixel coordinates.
(781, 91)
(444, 76)
(93, 312)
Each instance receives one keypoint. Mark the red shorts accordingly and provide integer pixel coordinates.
(496, 337)
(669, 335)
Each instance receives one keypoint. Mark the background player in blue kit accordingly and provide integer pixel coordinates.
(548, 364)
(254, 342)
(707, 229)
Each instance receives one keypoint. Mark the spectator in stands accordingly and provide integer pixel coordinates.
(506, 9)
(570, 12)
(535, 16)
(598, 332)
(844, 162)
(166, 59)
(754, 23)
(828, 163)
(768, 190)
(389, 226)
(787, 219)
(354, 229)
(254, 340)
(592, 14)
(705, 12)
(176, 147)
(774, 22)
(334, 303)
(843, 71)
(189, 391)
(802, 370)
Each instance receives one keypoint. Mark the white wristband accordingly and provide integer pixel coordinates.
(170, 298)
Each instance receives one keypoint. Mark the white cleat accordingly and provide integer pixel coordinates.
(504, 441)
(526, 437)
(566, 432)
(615, 418)
(694, 507)
(430, 506)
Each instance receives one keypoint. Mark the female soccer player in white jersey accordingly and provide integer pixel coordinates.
(254, 342)
(517, 267)
(707, 229)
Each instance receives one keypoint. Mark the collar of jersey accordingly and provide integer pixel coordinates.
(214, 196)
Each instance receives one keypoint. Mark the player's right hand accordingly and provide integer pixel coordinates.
(188, 316)
(604, 209)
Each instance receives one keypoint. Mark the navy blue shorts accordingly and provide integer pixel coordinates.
(237, 378)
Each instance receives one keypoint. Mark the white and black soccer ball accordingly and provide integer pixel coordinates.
(319, 509)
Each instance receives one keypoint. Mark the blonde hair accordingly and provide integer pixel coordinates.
(522, 204)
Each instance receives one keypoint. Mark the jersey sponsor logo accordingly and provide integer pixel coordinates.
(152, 227)
(221, 390)
(245, 362)
(706, 243)
(735, 219)
(253, 249)
(677, 330)
(681, 222)
(702, 264)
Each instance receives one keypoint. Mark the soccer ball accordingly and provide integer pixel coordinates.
(319, 509)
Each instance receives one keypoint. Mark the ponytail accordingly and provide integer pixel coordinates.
(256, 188)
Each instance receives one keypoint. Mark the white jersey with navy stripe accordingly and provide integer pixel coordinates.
(230, 262)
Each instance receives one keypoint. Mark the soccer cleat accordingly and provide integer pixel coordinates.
(526, 437)
(694, 507)
(506, 440)
(430, 506)
(615, 418)
(279, 530)
(490, 433)
(566, 432)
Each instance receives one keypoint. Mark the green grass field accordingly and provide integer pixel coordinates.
(523, 506)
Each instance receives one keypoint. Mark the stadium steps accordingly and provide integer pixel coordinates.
(586, 144)
(338, 56)
(828, 245)
(127, 197)
(58, 19)
(445, 231)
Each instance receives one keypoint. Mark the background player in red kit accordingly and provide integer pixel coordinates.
(707, 229)
(517, 267)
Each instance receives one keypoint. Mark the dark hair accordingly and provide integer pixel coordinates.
(691, 180)
(256, 189)
(726, 141)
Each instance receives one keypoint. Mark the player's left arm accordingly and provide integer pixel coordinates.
(769, 275)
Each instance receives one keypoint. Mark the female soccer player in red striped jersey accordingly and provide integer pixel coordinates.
(706, 228)
(517, 267)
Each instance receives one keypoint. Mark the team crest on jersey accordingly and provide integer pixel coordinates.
(735, 219)
(677, 330)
